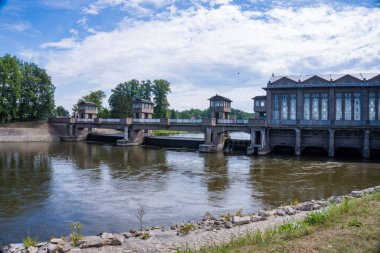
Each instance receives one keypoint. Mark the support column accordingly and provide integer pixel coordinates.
(126, 134)
(331, 143)
(252, 145)
(297, 148)
(366, 150)
(264, 149)
(208, 133)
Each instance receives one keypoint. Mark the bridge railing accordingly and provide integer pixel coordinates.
(109, 120)
(185, 121)
(84, 120)
(232, 121)
(146, 121)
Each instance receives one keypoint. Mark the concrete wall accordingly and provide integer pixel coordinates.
(28, 132)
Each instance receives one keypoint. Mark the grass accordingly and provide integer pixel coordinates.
(29, 241)
(75, 235)
(167, 132)
(352, 226)
(186, 228)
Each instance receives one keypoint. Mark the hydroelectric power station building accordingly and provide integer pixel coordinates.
(325, 111)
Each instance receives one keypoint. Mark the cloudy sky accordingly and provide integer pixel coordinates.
(202, 47)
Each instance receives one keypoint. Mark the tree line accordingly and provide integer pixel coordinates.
(26, 91)
(204, 114)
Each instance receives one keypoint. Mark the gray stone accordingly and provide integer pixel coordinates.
(357, 194)
(316, 206)
(290, 210)
(263, 213)
(54, 248)
(92, 241)
(56, 241)
(241, 220)
(208, 216)
(127, 235)
(227, 224)
(280, 212)
(40, 244)
(13, 247)
(377, 188)
(307, 206)
(32, 249)
(117, 240)
(66, 247)
(335, 199)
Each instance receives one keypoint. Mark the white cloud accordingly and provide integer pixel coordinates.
(16, 27)
(66, 43)
(201, 50)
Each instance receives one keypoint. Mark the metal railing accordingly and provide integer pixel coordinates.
(109, 120)
(146, 120)
(232, 121)
(85, 120)
(185, 121)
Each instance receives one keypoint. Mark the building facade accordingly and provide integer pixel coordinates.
(330, 111)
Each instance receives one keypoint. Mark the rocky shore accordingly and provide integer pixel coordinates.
(208, 231)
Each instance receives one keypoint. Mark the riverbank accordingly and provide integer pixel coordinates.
(306, 224)
(28, 132)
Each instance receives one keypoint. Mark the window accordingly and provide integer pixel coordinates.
(315, 106)
(347, 106)
(257, 103)
(284, 106)
(372, 110)
(276, 107)
(357, 106)
(262, 103)
(293, 108)
(324, 107)
(338, 106)
(306, 106)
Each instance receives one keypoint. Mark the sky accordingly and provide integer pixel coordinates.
(201, 47)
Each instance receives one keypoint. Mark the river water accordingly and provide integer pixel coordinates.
(44, 187)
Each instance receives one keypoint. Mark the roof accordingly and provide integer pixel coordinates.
(140, 100)
(218, 97)
(326, 77)
(259, 97)
(86, 103)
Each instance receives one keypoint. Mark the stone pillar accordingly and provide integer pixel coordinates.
(366, 150)
(208, 133)
(253, 136)
(297, 148)
(126, 134)
(331, 142)
(264, 149)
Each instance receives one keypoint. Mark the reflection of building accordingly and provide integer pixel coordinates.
(328, 111)
(87, 110)
(142, 109)
(220, 107)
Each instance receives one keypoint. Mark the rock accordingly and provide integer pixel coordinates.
(377, 188)
(56, 241)
(227, 224)
(357, 194)
(316, 206)
(16, 247)
(263, 213)
(208, 216)
(241, 220)
(218, 222)
(137, 234)
(132, 231)
(92, 241)
(335, 199)
(272, 212)
(54, 248)
(32, 249)
(290, 210)
(127, 235)
(173, 227)
(117, 240)
(40, 244)
(280, 212)
(307, 206)
(66, 247)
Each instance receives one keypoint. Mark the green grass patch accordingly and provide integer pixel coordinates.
(167, 132)
(351, 226)
(29, 241)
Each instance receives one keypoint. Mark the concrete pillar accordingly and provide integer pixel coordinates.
(264, 149)
(297, 148)
(366, 150)
(208, 133)
(253, 136)
(331, 143)
(126, 134)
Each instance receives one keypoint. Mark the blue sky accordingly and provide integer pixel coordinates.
(202, 47)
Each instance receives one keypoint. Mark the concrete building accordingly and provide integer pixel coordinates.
(87, 110)
(142, 109)
(220, 107)
(327, 111)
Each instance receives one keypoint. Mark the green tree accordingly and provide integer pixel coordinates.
(61, 111)
(10, 88)
(160, 90)
(146, 90)
(95, 97)
(122, 96)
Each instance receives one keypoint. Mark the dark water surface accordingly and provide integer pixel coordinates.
(44, 187)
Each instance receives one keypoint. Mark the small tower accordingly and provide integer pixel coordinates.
(260, 107)
(220, 107)
(142, 109)
(87, 110)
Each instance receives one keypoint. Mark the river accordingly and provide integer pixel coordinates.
(44, 187)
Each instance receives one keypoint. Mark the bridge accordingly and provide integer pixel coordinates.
(215, 130)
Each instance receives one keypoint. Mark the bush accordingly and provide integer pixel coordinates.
(29, 241)
(316, 218)
(186, 228)
(75, 234)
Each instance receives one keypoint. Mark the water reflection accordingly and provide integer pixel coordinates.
(44, 187)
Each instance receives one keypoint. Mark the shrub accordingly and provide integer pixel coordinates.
(316, 218)
(186, 228)
(76, 236)
(29, 241)
(145, 236)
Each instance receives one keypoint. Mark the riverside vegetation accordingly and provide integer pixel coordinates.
(348, 223)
